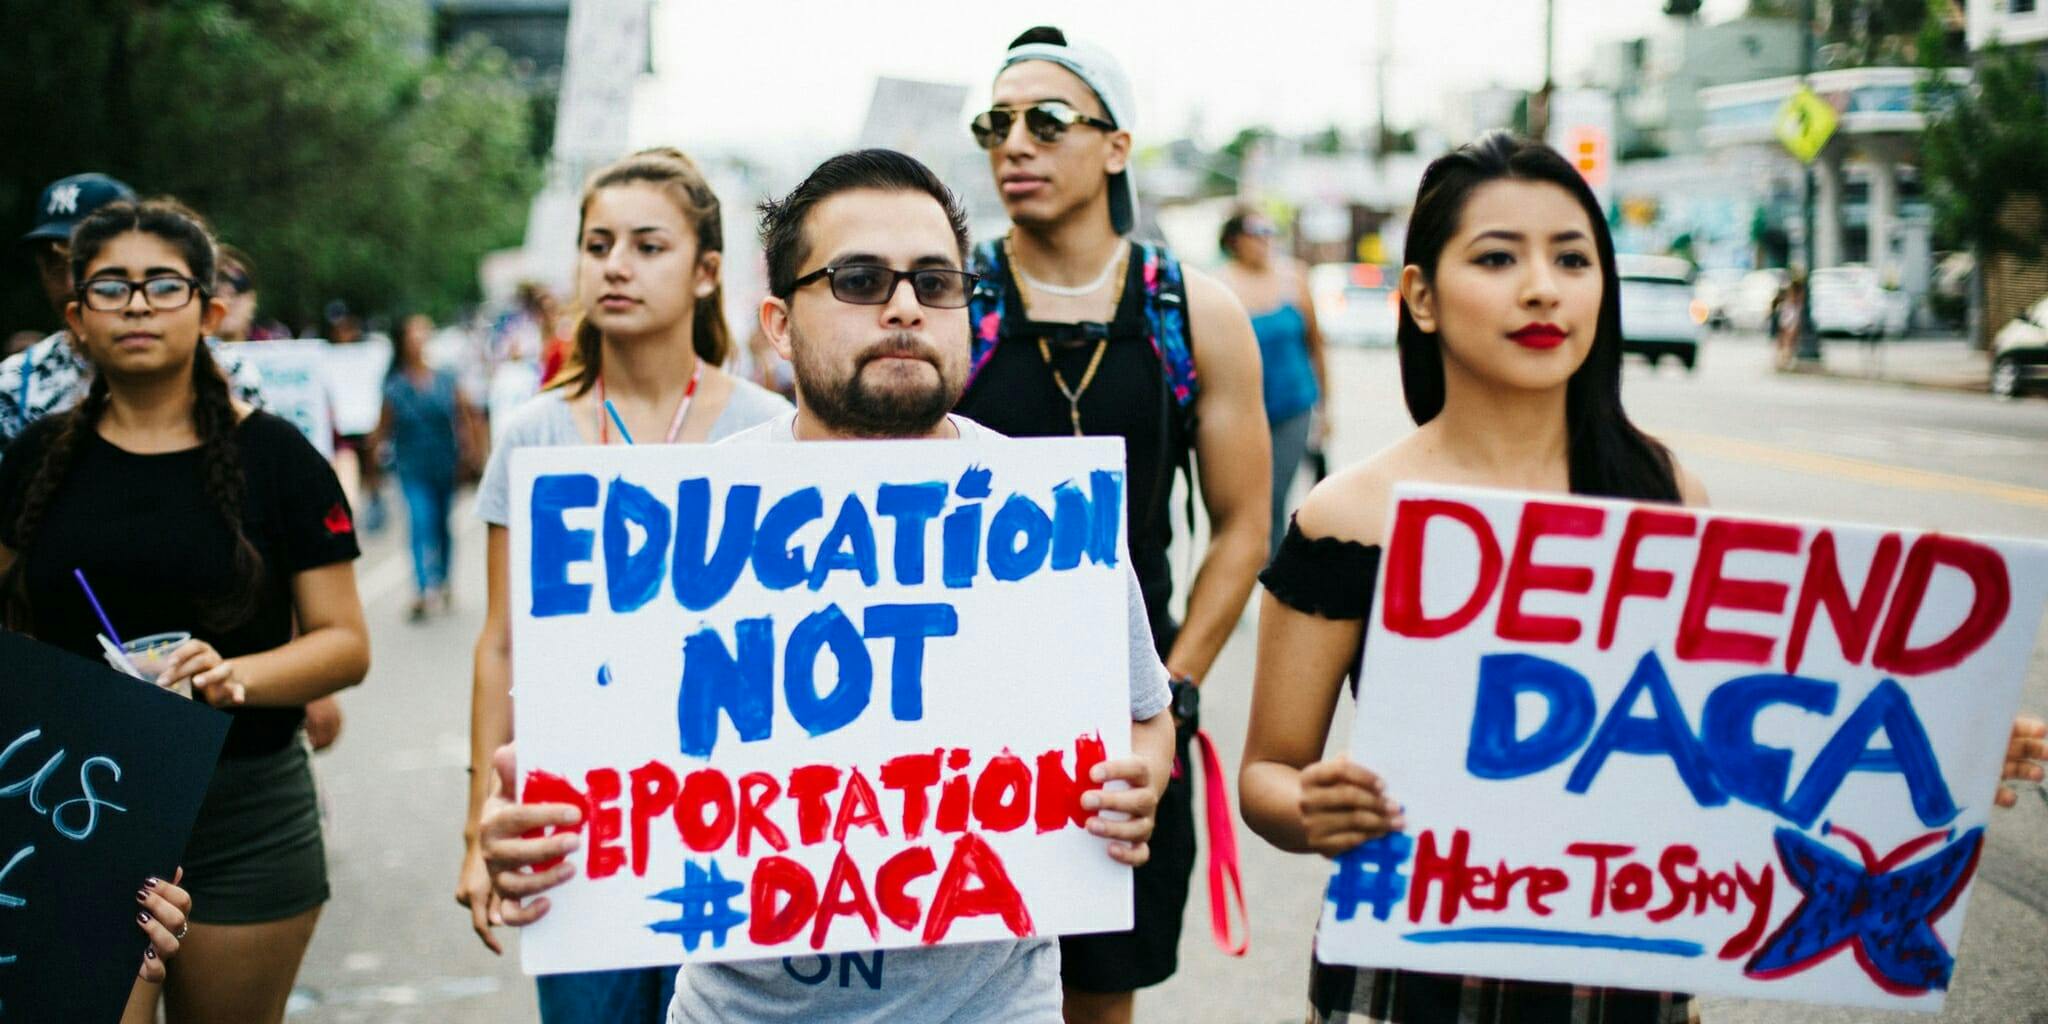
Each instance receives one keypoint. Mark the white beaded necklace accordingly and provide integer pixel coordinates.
(1070, 291)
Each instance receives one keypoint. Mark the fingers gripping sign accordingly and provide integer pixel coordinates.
(524, 846)
(2024, 755)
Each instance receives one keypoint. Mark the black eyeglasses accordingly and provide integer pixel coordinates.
(865, 284)
(163, 293)
(1046, 122)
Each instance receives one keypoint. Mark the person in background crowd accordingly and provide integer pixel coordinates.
(431, 432)
(650, 244)
(245, 543)
(238, 290)
(1078, 331)
(864, 259)
(51, 376)
(1290, 346)
(355, 459)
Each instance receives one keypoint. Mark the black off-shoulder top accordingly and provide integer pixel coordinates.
(1326, 577)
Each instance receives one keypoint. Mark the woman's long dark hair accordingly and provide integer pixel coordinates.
(1608, 456)
(213, 414)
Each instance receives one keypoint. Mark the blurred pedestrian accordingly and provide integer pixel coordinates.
(649, 247)
(428, 427)
(1274, 289)
(1787, 319)
(1078, 330)
(51, 376)
(243, 543)
(238, 290)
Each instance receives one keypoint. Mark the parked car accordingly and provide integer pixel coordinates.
(1713, 291)
(1749, 309)
(1356, 303)
(1850, 300)
(1656, 309)
(2019, 353)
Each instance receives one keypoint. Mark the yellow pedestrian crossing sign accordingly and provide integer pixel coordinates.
(1805, 123)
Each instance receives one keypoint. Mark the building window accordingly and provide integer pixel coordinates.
(2019, 6)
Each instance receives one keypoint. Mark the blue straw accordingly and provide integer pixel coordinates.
(96, 609)
(620, 420)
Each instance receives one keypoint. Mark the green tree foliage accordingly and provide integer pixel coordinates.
(322, 136)
(1985, 151)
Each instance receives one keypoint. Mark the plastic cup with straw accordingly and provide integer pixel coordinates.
(155, 649)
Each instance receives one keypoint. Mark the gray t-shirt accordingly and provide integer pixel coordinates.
(544, 420)
(1010, 982)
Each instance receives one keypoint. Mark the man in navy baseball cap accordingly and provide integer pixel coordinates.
(63, 204)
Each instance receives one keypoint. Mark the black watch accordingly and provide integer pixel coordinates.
(1187, 700)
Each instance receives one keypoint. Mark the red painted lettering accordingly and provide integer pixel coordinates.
(845, 893)
(757, 791)
(1002, 796)
(857, 806)
(974, 860)
(1600, 852)
(808, 785)
(1541, 519)
(1631, 580)
(1823, 588)
(913, 775)
(779, 880)
(1697, 641)
(708, 787)
(548, 788)
(1990, 600)
(654, 794)
(1059, 795)
(606, 823)
(892, 884)
(1403, 598)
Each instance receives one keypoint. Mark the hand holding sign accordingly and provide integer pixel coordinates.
(166, 912)
(515, 852)
(1344, 804)
(2029, 747)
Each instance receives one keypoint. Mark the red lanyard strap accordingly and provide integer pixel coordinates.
(675, 423)
(1226, 887)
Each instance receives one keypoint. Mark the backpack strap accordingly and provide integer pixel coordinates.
(1166, 314)
(985, 307)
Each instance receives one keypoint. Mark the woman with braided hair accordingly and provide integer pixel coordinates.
(190, 512)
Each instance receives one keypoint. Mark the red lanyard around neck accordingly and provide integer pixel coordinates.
(675, 425)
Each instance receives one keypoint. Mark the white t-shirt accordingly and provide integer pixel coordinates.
(1010, 982)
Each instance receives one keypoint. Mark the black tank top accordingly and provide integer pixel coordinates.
(1015, 394)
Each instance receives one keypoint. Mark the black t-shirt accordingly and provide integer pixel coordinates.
(154, 548)
(1015, 394)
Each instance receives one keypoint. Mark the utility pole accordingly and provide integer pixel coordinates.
(1379, 83)
(1539, 107)
(1809, 341)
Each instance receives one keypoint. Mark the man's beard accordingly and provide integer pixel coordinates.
(850, 406)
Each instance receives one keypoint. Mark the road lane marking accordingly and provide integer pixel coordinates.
(1858, 470)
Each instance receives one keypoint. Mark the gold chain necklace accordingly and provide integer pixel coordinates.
(1059, 380)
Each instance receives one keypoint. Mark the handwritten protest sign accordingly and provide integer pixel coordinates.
(355, 382)
(295, 386)
(820, 697)
(100, 779)
(1676, 749)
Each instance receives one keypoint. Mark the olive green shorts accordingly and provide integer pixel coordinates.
(255, 854)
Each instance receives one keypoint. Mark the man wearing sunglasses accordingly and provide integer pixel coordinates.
(1079, 331)
(50, 376)
(868, 302)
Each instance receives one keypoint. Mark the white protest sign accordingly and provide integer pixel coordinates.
(355, 380)
(820, 697)
(1676, 749)
(295, 386)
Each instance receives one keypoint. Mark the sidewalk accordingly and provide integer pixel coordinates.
(1941, 362)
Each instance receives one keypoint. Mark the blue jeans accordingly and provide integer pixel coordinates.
(1290, 444)
(427, 503)
(638, 996)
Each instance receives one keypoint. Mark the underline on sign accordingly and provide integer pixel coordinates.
(1545, 937)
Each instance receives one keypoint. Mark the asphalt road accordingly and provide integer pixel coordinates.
(394, 947)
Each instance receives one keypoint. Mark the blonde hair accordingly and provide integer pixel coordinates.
(677, 175)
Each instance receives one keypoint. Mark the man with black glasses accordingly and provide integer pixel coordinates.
(50, 376)
(867, 300)
(1079, 331)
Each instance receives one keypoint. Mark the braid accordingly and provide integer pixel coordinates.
(213, 418)
(81, 421)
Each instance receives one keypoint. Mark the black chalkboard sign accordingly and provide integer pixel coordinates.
(101, 776)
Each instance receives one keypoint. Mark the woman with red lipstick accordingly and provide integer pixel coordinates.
(192, 513)
(650, 343)
(1510, 343)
